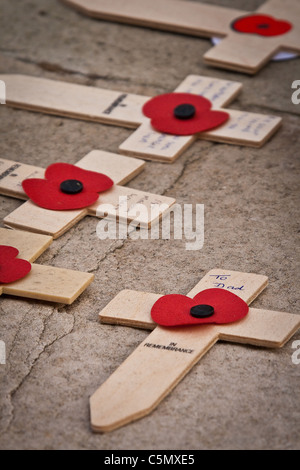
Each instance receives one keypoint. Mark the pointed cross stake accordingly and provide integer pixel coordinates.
(43, 282)
(112, 107)
(246, 53)
(166, 356)
(55, 223)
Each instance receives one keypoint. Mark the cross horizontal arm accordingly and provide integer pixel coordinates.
(31, 217)
(121, 170)
(265, 328)
(132, 308)
(55, 223)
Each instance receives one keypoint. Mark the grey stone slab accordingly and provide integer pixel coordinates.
(237, 397)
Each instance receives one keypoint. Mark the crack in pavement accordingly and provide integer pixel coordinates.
(13, 392)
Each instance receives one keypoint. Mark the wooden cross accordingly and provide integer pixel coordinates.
(112, 107)
(43, 282)
(246, 53)
(120, 169)
(166, 356)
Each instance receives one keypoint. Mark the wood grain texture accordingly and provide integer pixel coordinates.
(244, 53)
(149, 374)
(43, 282)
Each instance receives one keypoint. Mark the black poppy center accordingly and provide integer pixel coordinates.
(184, 111)
(263, 26)
(71, 187)
(202, 311)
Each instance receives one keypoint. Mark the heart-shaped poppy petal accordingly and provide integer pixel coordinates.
(175, 310)
(92, 181)
(11, 268)
(163, 105)
(48, 193)
(263, 25)
(162, 112)
(201, 122)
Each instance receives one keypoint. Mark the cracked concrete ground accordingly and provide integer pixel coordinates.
(236, 397)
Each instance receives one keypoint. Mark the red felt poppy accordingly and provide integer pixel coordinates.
(183, 114)
(263, 25)
(11, 268)
(209, 306)
(66, 187)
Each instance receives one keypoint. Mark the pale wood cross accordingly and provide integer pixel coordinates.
(120, 169)
(122, 109)
(246, 53)
(43, 282)
(166, 356)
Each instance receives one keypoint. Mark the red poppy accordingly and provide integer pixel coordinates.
(209, 306)
(66, 187)
(263, 25)
(183, 114)
(11, 268)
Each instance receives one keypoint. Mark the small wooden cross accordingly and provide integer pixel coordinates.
(43, 282)
(116, 108)
(246, 53)
(120, 169)
(166, 356)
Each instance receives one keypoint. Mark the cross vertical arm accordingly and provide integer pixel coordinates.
(170, 15)
(242, 53)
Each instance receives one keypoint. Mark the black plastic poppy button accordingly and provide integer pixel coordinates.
(202, 311)
(184, 111)
(263, 26)
(71, 187)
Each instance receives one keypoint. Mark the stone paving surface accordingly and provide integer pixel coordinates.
(236, 397)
